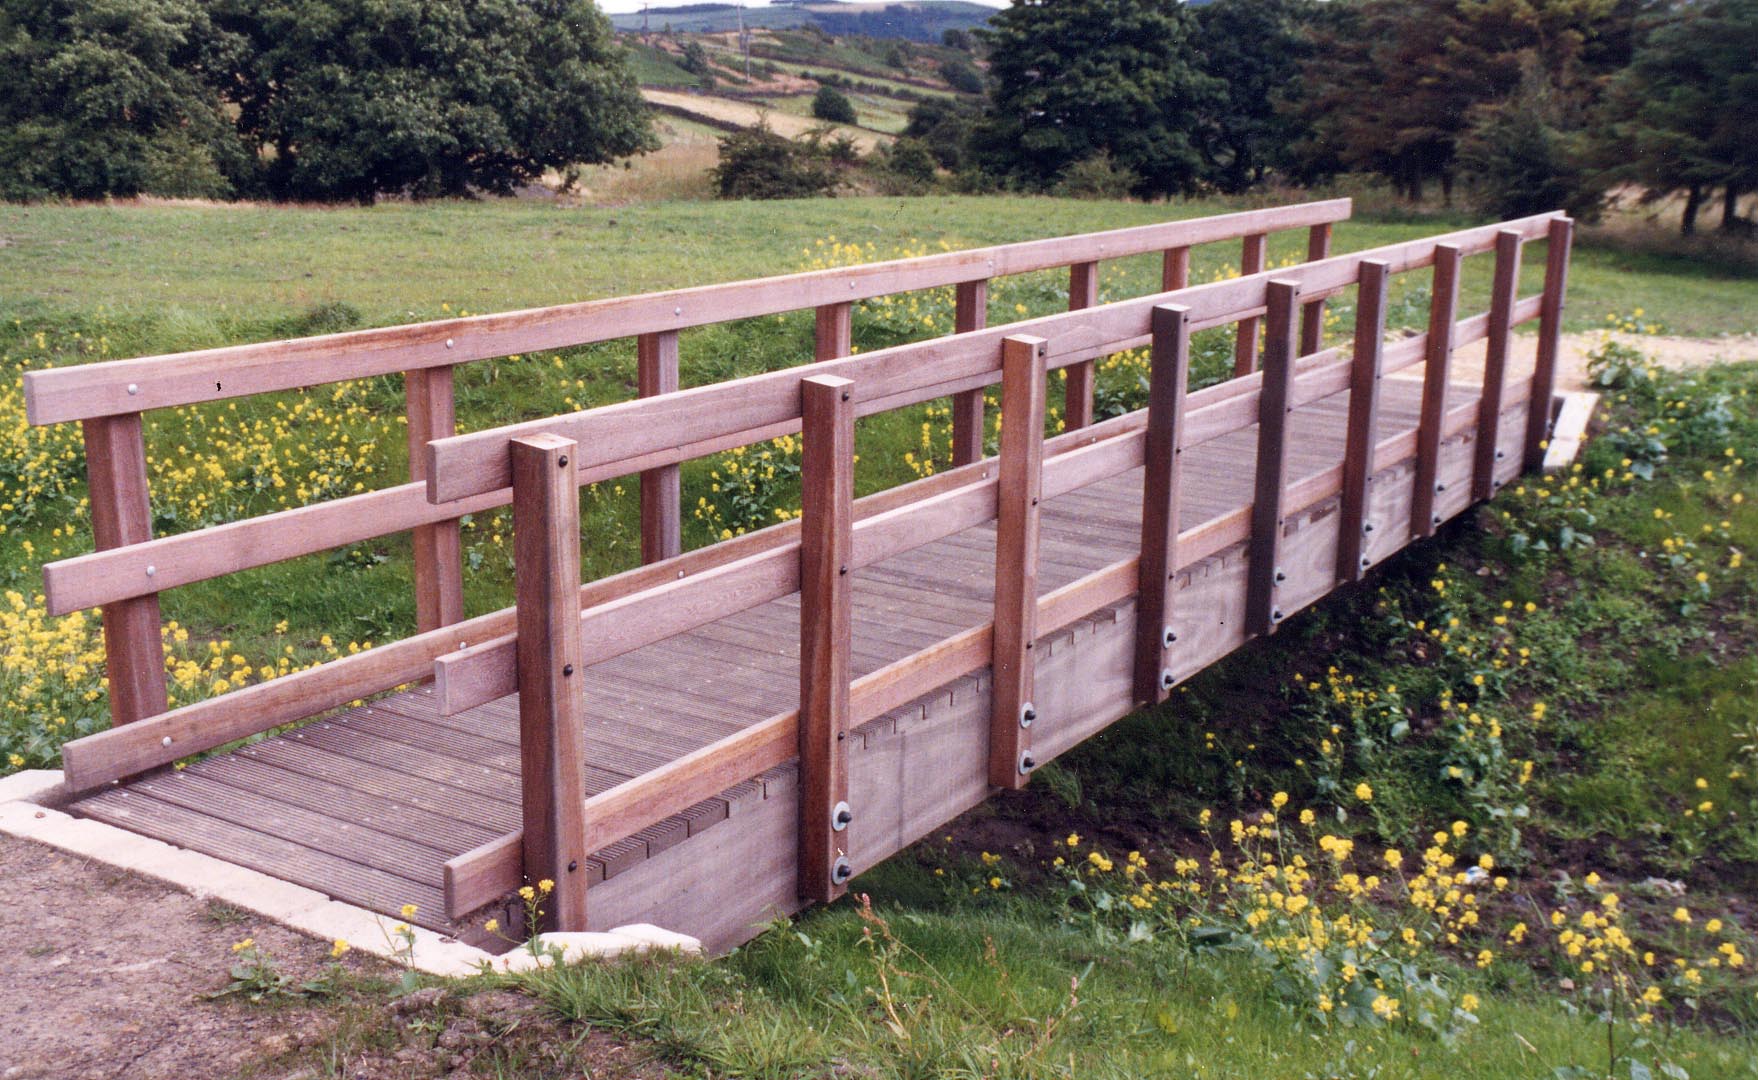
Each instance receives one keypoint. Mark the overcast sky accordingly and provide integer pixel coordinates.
(618, 6)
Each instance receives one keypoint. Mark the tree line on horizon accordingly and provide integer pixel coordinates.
(1529, 104)
(1535, 104)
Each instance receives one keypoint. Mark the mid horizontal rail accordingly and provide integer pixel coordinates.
(154, 382)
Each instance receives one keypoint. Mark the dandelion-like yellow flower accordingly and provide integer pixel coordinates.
(408, 911)
(240, 946)
(1364, 791)
(338, 949)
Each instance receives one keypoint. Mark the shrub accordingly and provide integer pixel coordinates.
(910, 159)
(100, 100)
(757, 163)
(428, 97)
(834, 106)
(962, 77)
(1097, 177)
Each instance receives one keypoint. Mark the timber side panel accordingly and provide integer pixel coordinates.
(347, 779)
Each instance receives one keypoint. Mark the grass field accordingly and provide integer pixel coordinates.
(1644, 667)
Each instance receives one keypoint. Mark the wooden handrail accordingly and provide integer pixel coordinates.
(203, 725)
(119, 387)
(615, 436)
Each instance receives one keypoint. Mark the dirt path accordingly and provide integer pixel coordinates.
(1676, 353)
(104, 973)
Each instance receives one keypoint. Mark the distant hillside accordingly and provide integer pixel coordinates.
(912, 20)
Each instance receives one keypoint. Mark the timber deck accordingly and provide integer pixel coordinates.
(368, 805)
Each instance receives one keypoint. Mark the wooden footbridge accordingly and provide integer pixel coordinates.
(725, 734)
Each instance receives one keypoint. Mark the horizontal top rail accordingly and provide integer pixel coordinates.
(611, 436)
(118, 387)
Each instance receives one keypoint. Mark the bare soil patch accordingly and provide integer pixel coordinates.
(105, 977)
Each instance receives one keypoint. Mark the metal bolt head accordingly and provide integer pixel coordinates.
(561, 462)
(567, 670)
(1166, 680)
(677, 311)
(841, 871)
(841, 816)
(133, 388)
(1436, 519)
(1366, 562)
(1281, 576)
(1501, 454)
(151, 570)
(1367, 527)
(1276, 615)
(1167, 637)
(1440, 487)
(1027, 713)
(1027, 763)
(166, 741)
(449, 343)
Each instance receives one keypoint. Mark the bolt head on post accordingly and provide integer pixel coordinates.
(1167, 637)
(1027, 714)
(1027, 763)
(841, 871)
(841, 817)
(1166, 679)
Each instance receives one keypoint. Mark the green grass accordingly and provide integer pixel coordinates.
(206, 274)
(987, 994)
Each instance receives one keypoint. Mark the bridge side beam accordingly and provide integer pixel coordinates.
(1437, 366)
(1077, 405)
(826, 547)
(1550, 328)
(1253, 250)
(1503, 293)
(970, 312)
(1363, 423)
(1020, 491)
(1169, 373)
(1264, 571)
(656, 372)
(546, 581)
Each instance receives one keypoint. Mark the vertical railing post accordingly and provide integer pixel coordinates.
(971, 312)
(1019, 491)
(1175, 269)
(1550, 328)
(1363, 423)
(1077, 404)
(826, 541)
(1170, 370)
(122, 514)
(656, 372)
(1251, 261)
(550, 664)
(1503, 292)
(1312, 313)
(833, 331)
(1264, 571)
(439, 549)
(1437, 371)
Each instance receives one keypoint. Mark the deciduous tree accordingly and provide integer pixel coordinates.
(357, 98)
